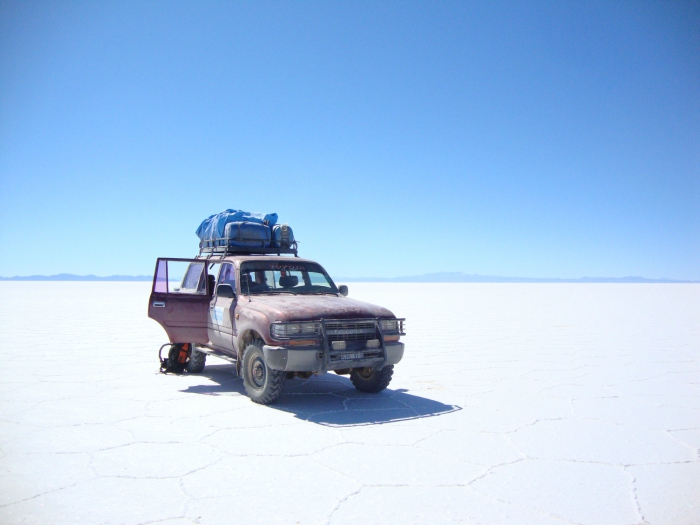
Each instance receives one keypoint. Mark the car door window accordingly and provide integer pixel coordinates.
(180, 277)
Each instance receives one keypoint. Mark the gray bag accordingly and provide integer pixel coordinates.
(282, 236)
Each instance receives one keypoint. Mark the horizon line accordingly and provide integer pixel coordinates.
(436, 277)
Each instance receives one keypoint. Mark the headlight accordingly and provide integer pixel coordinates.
(310, 328)
(389, 325)
(287, 330)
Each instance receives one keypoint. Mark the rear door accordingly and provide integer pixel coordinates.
(180, 299)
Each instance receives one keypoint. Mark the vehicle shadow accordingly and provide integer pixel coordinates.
(329, 399)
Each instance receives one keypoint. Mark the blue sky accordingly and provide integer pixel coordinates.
(530, 139)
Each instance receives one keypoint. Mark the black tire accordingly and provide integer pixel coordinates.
(262, 384)
(370, 379)
(197, 361)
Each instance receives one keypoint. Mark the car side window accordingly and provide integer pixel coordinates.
(213, 270)
(228, 275)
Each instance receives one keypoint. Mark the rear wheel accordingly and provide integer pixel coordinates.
(197, 360)
(262, 384)
(370, 379)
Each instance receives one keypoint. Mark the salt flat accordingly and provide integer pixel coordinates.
(515, 404)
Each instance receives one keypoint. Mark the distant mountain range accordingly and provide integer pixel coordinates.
(440, 277)
(71, 277)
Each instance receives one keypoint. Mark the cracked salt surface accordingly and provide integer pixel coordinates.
(515, 404)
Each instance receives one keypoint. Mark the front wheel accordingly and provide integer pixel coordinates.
(262, 384)
(370, 379)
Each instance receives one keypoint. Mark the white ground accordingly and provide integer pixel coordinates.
(519, 404)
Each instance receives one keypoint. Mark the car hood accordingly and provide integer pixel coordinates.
(310, 307)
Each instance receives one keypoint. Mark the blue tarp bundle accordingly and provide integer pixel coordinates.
(215, 226)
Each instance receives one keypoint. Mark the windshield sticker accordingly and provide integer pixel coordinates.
(273, 265)
(269, 267)
(218, 314)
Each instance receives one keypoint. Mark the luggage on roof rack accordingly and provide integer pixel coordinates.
(223, 246)
(239, 232)
(214, 227)
(247, 235)
(282, 236)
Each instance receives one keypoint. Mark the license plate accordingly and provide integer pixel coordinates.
(351, 356)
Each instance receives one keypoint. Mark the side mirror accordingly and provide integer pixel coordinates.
(225, 290)
(343, 290)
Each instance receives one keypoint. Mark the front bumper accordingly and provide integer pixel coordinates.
(312, 360)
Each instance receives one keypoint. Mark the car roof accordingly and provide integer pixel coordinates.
(244, 258)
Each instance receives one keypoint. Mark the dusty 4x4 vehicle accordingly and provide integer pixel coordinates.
(275, 317)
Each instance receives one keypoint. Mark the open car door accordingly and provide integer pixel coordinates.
(180, 299)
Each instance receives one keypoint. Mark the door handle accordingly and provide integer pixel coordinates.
(159, 304)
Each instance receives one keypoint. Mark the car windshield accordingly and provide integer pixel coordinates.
(280, 277)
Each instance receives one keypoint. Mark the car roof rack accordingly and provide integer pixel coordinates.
(222, 247)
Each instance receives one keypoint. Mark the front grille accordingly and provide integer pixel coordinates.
(351, 330)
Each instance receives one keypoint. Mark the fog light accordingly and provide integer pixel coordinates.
(373, 343)
(338, 345)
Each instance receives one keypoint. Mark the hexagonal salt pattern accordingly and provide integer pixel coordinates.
(515, 404)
